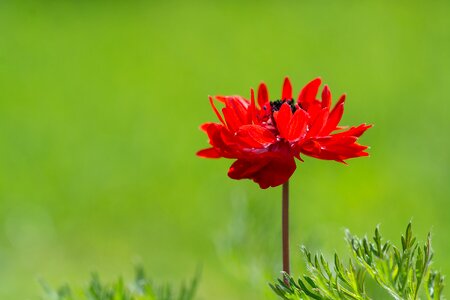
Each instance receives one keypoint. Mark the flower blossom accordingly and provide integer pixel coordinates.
(264, 137)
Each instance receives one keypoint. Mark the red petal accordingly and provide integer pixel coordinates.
(335, 116)
(242, 169)
(210, 128)
(326, 97)
(309, 92)
(213, 130)
(275, 173)
(256, 136)
(334, 148)
(228, 139)
(318, 123)
(252, 110)
(354, 131)
(209, 153)
(314, 109)
(263, 95)
(211, 101)
(267, 172)
(287, 90)
(282, 118)
(239, 106)
(297, 125)
(221, 139)
(205, 126)
(231, 119)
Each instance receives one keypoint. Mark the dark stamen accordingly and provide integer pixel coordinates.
(276, 105)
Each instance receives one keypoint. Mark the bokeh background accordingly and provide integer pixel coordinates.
(100, 104)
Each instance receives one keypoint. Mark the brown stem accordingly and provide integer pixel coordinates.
(285, 227)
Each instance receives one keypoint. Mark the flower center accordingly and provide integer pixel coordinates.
(276, 105)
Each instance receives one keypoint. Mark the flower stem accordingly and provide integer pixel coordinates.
(285, 227)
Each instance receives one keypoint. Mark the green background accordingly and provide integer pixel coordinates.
(100, 104)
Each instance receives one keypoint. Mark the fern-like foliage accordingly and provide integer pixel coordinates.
(404, 273)
(140, 289)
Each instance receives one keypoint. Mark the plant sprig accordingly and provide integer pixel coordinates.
(141, 288)
(404, 272)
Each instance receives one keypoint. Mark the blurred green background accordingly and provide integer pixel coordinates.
(100, 104)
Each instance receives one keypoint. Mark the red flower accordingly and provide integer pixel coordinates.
(265, 136)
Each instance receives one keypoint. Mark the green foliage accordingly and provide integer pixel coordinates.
(404, 272)
(140, 289)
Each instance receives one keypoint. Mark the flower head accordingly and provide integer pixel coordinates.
(265, 137)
